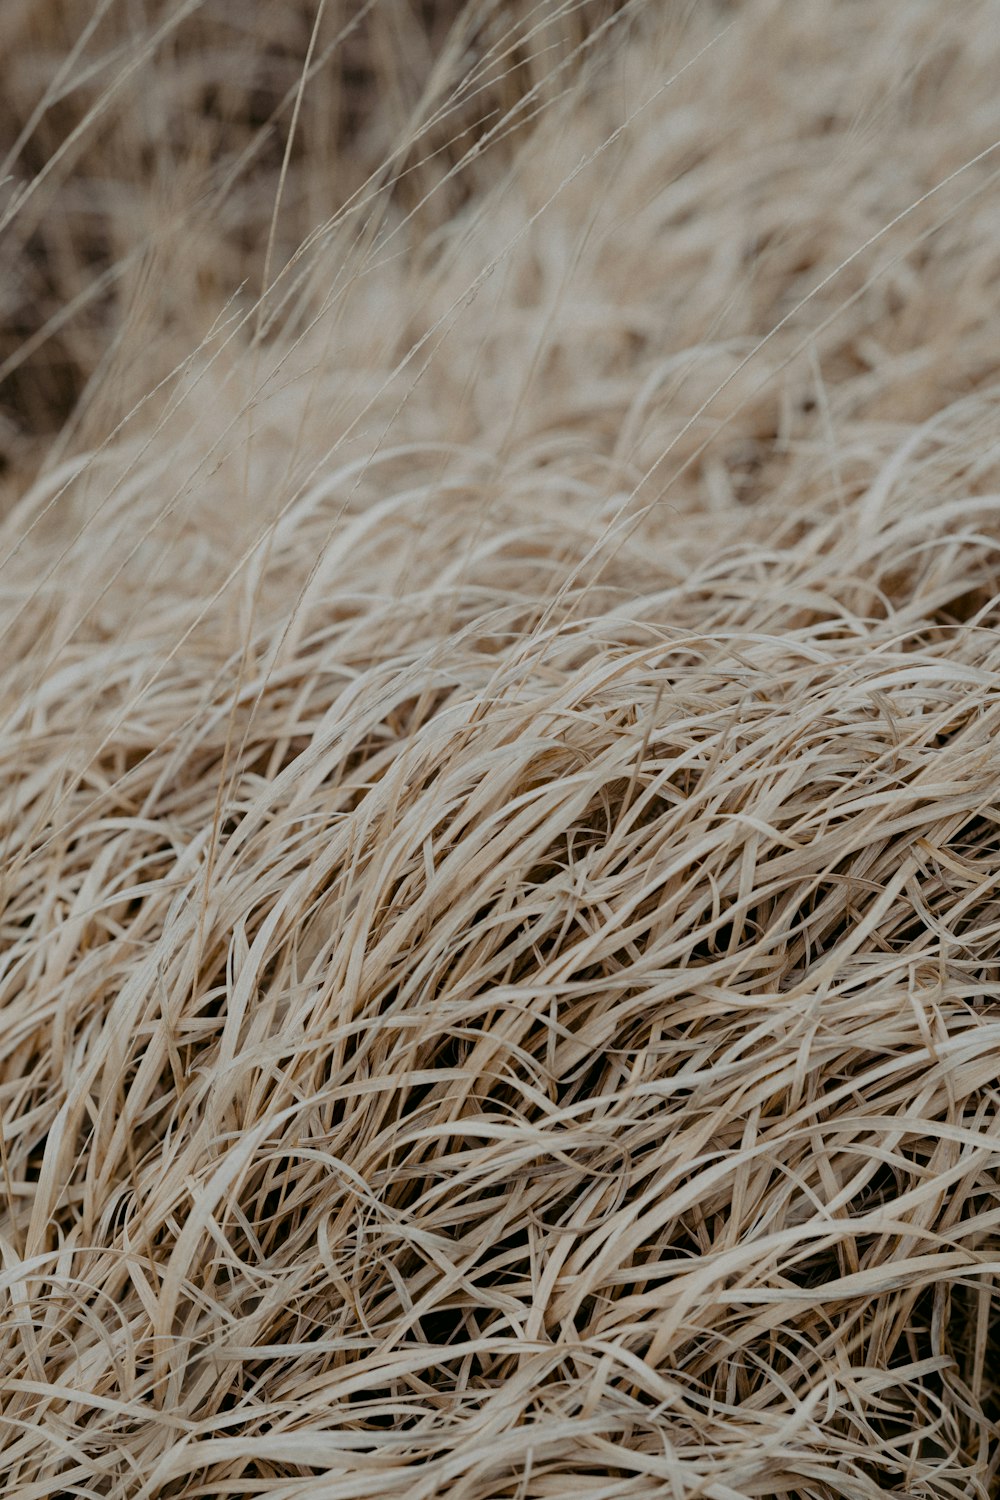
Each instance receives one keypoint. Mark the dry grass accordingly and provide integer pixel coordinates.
(500, 917)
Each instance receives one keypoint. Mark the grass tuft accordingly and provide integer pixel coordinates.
(499, 916)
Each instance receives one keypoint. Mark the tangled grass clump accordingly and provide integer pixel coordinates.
(499, 913)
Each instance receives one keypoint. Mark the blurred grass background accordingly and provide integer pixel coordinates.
(142, 143)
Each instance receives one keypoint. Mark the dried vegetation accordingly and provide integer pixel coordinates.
(499, 915)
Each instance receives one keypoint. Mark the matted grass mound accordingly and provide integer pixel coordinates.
(499, 781)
